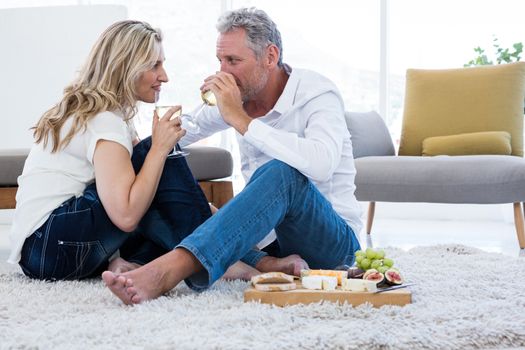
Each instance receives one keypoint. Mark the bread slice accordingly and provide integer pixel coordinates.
(272, 277)
(275, 287)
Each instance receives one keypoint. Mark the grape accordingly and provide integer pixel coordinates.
(365, 264)
(380, 254)
(376, 263)
(359, 253)
(370, 253)
(358, 258)
(382, 269)
(388, 262)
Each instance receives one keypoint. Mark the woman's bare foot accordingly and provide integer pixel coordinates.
(119, 265)
(241, 271)
(292, 264)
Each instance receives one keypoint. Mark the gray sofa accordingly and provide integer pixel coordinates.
(208, 165)
(384, 177)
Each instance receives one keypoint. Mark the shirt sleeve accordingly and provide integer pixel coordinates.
(110, 127)
(317, 152)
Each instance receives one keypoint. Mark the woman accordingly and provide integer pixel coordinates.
(142, 205)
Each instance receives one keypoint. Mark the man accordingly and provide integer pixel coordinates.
(297, 159)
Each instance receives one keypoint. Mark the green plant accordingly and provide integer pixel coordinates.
(501, 55)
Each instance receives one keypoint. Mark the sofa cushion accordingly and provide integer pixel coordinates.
(455, 101)
(11, 165)
(209, 163)
(206, 163)
(483, 179)
(488, 142)
(370, 136)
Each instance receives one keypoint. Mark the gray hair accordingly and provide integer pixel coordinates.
(260, 29)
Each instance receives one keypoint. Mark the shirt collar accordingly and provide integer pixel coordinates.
(286, 100)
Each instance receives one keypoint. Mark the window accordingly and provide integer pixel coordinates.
(443, 34)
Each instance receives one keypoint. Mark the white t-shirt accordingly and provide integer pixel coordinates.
(49, 179)
(305, 129)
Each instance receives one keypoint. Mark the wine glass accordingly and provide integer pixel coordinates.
(188, 121)
(161, 107)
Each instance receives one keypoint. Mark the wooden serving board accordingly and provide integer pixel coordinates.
(300, 295)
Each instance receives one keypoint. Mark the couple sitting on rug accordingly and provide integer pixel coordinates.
(90, 191)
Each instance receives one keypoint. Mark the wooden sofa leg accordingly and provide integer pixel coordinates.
(7, 197)
(217, 192)
(518, 222)
(370, 216)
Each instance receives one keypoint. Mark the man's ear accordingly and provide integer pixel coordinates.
(272, 55)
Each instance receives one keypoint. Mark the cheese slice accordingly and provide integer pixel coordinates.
(371, 286)
(334, 273)
(329, 282)
(359, 285)
(312, 282)
(319, 282)
(354, 285)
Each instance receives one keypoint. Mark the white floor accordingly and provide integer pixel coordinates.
(394, 227)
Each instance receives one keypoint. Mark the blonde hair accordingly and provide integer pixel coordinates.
(106, 82)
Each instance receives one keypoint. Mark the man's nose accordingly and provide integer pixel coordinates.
(225, 67)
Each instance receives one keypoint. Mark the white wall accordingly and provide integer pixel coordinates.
(41, 49)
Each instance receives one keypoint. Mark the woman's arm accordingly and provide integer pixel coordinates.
(125, 196)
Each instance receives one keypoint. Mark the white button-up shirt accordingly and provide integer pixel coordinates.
(305, 129)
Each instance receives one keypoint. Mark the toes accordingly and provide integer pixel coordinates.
(136, 299)
(108, 277)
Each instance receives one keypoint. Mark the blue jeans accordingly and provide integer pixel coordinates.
(277, 196)
(78, 238)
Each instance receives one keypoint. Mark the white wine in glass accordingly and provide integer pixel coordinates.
(209, 98)
(161, 109)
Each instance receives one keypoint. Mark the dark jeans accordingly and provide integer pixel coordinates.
(78, 238)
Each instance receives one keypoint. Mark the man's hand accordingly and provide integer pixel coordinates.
(229, 101)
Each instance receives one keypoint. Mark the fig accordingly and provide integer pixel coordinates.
(374, 275)
(355, 272)
(393, 277)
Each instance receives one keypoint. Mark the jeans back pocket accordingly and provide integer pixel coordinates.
(77, 260)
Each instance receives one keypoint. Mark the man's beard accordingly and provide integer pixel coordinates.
(259, 82)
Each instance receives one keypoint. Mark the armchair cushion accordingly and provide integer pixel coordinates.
(465, 100)
(488, 142)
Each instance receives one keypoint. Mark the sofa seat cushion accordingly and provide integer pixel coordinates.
(482, 179)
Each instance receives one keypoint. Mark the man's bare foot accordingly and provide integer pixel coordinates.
(119, 265)
(292, 264)
(241, 271)
(153, 279)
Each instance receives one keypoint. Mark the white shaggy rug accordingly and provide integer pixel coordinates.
(463, 299)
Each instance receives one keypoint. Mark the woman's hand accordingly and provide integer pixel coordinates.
(166, 131)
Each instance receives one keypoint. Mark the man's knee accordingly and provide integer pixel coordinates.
(278, 172)
(279, 168)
